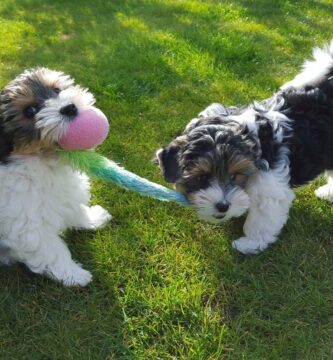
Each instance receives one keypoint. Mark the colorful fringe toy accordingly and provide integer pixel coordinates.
(98, 166)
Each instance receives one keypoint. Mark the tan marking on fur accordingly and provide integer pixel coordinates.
(34, 147)
(23, 99)
(21, 93)
(179, 187)
(49, 82)
(239, 164)
(201, 167)
(180, 141)
(191, 198)
(48, 78)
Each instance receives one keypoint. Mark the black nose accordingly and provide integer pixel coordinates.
(222, 206)
(69, 110)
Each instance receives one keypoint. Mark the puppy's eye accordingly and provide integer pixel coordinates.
(56, 90)
(203, 178)
(30, 111)
(197, 183)
(238, 178)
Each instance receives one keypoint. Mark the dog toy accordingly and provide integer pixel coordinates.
(87, 130)
(90, 129)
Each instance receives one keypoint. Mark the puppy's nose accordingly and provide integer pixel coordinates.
(222, 206)
(69, 110)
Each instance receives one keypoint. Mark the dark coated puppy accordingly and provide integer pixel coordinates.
(230, 161)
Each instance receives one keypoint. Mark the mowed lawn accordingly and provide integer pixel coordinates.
(167, 286)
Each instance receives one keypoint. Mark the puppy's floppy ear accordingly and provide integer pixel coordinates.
(168, 159)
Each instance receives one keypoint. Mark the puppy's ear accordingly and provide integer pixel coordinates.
(168, 159)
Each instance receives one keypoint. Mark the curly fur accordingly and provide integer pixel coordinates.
(39, 195)
(272, 145)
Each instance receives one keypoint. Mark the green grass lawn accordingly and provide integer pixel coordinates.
(167, 286)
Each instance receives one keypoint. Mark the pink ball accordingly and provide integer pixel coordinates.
(87, 130)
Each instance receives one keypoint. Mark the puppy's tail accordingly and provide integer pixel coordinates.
(315, 71)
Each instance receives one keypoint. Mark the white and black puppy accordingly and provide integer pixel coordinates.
(39, 195)
(230, 161)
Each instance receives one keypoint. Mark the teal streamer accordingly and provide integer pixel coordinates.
(102, 168)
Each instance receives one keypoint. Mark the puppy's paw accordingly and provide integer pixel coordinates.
(77, 277)
(98, 217)
(248, 246)
(69, 274)
(325, 192)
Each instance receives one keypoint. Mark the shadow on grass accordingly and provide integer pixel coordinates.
(134, 56)
(128, 32)
(46, 320)
(288, 285)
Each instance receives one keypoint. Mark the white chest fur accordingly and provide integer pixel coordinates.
(39, 191)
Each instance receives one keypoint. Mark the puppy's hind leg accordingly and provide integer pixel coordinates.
(326, 191)
(44, 252)
(270, 202)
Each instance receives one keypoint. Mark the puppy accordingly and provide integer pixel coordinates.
(39, 195)
(230, 161)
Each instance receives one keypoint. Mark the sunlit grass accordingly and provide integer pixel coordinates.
(167, 286)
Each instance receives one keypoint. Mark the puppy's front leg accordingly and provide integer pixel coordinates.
(90, 218)
(270, 197)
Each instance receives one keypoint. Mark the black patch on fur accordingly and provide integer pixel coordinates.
(311, 140)
(196, 183)
(169, 163)
(267, 144)
(308, 135)
(6, 145)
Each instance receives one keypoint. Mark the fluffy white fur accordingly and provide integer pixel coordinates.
(205, 200)
(270, 199)
(314, 70)
(269, 192)
(268, 195)
(39, 198)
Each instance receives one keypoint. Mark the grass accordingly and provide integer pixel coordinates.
(165, 285)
